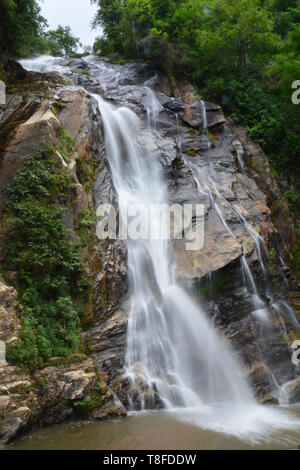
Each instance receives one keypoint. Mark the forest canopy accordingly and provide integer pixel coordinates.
(21, 27)
(23, 32)
(242, 54)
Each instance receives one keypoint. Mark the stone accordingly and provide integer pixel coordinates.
(290, 392)
(78, 384)
(2, 353)
(4, 402)
(32, 124)
(269, 400)
(259, 378)
(10, 429)
(109, 411)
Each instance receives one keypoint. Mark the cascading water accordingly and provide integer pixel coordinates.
(204, 115)
(174, 354)
(204, 120)
(206, 185)
(169, 337)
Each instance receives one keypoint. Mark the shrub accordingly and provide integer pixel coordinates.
(46, 261)
(66, 144)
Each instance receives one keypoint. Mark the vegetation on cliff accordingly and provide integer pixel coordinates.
(46, 261)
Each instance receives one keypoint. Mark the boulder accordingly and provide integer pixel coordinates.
(194, 115)
(290, 392)
(69, 383)
(18, 402)
(259, 378)
(109, 411)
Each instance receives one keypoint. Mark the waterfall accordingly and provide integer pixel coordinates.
(152, 106)
(240, 155)
(204, 116)
(175, 357)
(205, 125)
(169, 337)
(260, 310)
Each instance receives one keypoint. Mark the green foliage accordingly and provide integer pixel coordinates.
(243, 54)
(86, 170)
(88, 221)
(22, 32)
(61, 42)
(40, 179)
(103, 47)
(90, 402)
(21, 27)
(291, 197)
(67, 144)
(57, 106)
(46, 261)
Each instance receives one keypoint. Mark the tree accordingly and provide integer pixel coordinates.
(21, 27)
(243, 54)
(61, 42)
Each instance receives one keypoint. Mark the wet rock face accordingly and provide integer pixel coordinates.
(191, 160)
(61, 390)
(111, 279)
(108, 343)
(290, 392)
(17, 402)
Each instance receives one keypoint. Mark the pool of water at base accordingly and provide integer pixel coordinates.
(165, 431)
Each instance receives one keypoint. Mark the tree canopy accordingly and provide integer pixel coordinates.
(243, 54)
(61, 42)
(23, 32)
(21, 27)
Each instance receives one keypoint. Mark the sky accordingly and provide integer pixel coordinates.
(77, 14)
